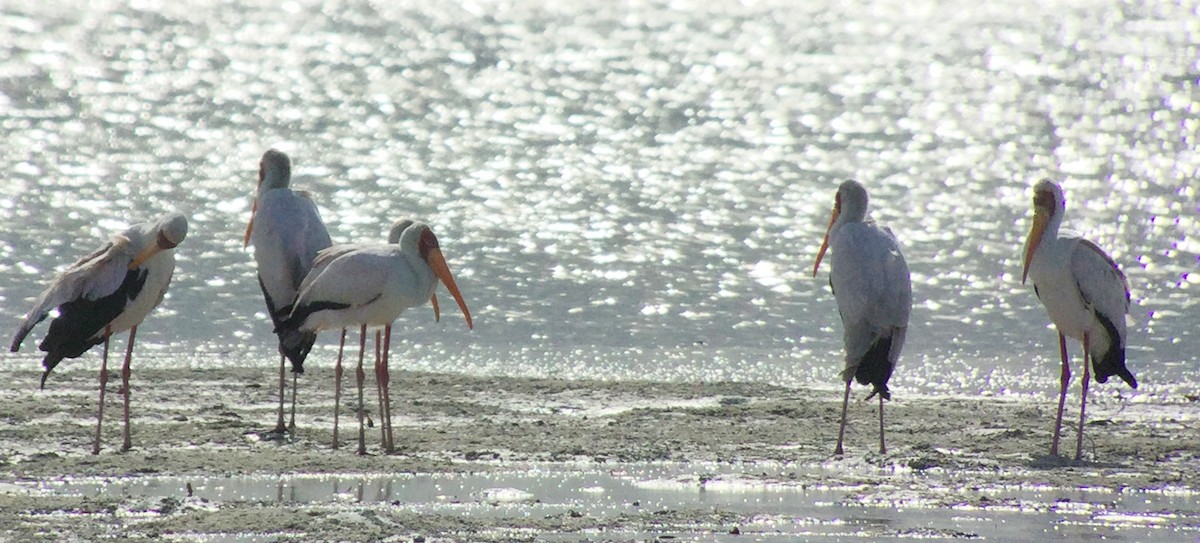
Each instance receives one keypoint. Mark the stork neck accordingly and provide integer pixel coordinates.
(851, 214)
(1054, 223)
(273, 180)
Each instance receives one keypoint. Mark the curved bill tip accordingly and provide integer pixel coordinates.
(821, 254)
(437, 312)
(437, 263)
(249, 229)
(825, 242)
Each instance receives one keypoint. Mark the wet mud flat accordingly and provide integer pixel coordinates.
(510, 459)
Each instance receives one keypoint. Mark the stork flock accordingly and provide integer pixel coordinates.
(310, 285)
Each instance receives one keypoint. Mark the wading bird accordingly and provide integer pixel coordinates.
(381, 374)
(367, 285)
(1085, 294)
(287, 233)
(104, 293)
(870, 281)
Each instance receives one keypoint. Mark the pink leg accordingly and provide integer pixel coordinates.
(279, 426)
(103, 385)
(337, 387)
(1064, 380)
(842, 428)
(362, 377)
(126, 443)
(1087, 367)
(292, 417)
(387, 383)
(379, 390)
(882, 447)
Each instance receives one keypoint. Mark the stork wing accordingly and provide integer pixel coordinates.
(871, 283)
(92, 277)
(1103, 287)
(351, 275)
(288, 234)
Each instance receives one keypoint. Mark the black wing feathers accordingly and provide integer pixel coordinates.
(80, 322)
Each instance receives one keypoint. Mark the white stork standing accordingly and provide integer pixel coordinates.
(107, 292)
(380, 359)
(287, 233)
(367, 285)
(870, 280)
(1085, 294)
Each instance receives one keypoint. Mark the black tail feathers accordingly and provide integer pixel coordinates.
(1113, 363)
(295, 345)
(49, 362)
(294, 341)
(875, 368)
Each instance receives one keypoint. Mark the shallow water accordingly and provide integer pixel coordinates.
(630, 190)
(902, 509)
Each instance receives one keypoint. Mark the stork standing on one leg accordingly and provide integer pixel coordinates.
(1085, 294)
(871, 283)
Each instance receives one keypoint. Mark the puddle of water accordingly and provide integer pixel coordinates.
(772, 509)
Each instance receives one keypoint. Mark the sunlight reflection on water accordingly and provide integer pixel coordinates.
(638, 182)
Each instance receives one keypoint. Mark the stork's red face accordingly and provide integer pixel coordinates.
(431, 253)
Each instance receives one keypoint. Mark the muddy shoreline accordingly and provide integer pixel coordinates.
(213, 423)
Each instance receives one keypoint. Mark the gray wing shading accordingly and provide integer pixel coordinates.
(92, 277)
(288, 234)
(872, 286)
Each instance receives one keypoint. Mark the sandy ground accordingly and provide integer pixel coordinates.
(209, 423)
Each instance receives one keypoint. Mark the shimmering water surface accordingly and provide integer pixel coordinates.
(624, 190)
(775, 511)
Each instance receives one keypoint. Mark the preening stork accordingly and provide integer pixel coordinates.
(286, 230)
(871, 283)
(1085, 294)
(107, 292)
(367, 285)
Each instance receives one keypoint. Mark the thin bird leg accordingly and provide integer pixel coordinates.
(1083, 401)
(126, 443)
(337, 387)
(842, 428)
(1062, 393)
(379, 390)
(387, 386)
(279, 426)
(362, 376)
(882, 447)
(103, 384)
(292, 417)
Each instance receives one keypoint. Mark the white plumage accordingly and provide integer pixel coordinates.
(108, 291)
(368, 284)
(287, 232)
(1085, 294)
(870, 280)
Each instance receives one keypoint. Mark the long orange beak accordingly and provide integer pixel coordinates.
(1041, 218)
(825, 243)
(250, 226)
(437, 263)
(437, 313)
(145, 255)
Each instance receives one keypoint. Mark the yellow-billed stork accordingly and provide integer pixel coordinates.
(871, 283)
(1085, 294)
(107, 292)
